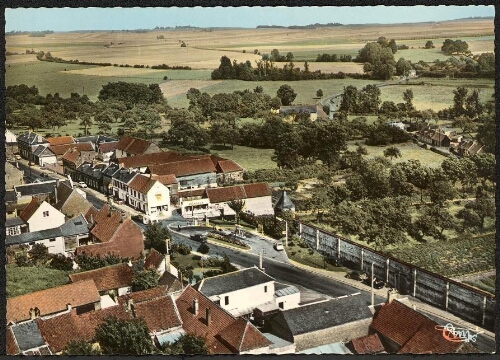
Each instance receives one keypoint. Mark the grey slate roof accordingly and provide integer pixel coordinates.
(27, 335)
(31, 138)
(237, 280)
(75, 226)
(93, 171)
(10, 196)
(39, 150)
(33, 236)
(326, 314)
(46, 187)
(298, 109)
(284, 289)
(111, 170)
(124, 176)
(13, 222)
(95, 139)
(284, 202)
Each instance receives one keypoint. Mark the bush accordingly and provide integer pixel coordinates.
(61, 262)
(203, 248)
(23, 260)
(182, 249)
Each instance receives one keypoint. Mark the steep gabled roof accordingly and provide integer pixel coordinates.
(52, 300)
(159, 314)
(107, 146)
(227, 166)
(369, 344)
(144, 295)
(150, 159)
(70, 202)
(169, 179)
(142, 183)
(60, 140)
(183, 168)
(62, 149)
(284, 202)
(108, 277)
(242, 336)
(11, 344)
(76, 226)
(30, 210)
(153, 259)
(27, 335)
(236, 280)
(133, 145)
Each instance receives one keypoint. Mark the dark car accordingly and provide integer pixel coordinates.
(356, 275)
(199, 237)
(377, 283)
(45, 175)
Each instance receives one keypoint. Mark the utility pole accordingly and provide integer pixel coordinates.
(260, 260)
(372, 281)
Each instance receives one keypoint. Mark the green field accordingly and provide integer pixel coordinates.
(250, 159)
(23, 280)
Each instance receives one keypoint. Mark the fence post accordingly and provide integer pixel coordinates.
(387, 271)
(338, 248)
(484, 311)
(361, 262)
(414, 282)
(446, 294)
(317, 239)
(300, 230)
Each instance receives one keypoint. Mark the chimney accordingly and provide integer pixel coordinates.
(55, 191)
(109, 211)
(68, 306)
(208, 316)
(32, 314)
(91, 219)
(130, 263)
(391, 295)
(130, 304)
(195, 306)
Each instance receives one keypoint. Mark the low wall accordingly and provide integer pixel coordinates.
(466, 302)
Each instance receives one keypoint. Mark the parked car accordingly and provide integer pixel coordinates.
(222, 232)
(377, 283)
(278, 246)
(82, 184)
(44, 174)
(18, 157)
(199, 237)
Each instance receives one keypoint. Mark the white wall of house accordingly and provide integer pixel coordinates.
(196, 208)
(45, 217)
(10, 137)
(288, 301)
(246, 298)
(259, 206)
(54, 246)
(47, 160)
(158, 201)
(120, 189)
(124, 290)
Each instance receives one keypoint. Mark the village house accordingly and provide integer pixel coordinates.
(228, 172)
(42, 156)
(59, 240)
(13, 176)
(60, 150)
(315, 111)
(112, 233)
(223, 333)
(91, 174)
(40, 215)
(106, 150)
(81, 296)
(366, 345)
(435, 137)
(284, 203)
(95, 139)
(73, 158)
(10, 137)
(60, 140)
(107, 177)
(417, 336)
(141, 162)
(170, 181)
(326, 322)
(149, 196)
(191, 174)
(130, 146)
(469, 148)
(119, 184)
(15, 226)
(28, 142)
(70, 201)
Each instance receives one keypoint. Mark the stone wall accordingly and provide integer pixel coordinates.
(466, 302)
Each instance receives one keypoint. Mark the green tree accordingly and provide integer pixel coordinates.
(408, 98)
(369, 99)
(440, 191)
(237, 206)
(319, 93)
(331, 139)
(286, 94)
(203, 248)
(80, 347)
(156, 237)
(486, 133)
(460, 95)
(403, 67)
(125, 337)
(429, 44)
(145, 279)
(392, 152)
(187, 344)
(287, 149)
(349, 102)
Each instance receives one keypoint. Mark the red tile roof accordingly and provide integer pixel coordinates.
(107, 278)
(242, 336)
(150, 159)
(11, 344)
(184, 168)
(156, 320)
(369, 344)
(235, 338)
(60, 140)
(126, 242)
(60, 330)
(141, 183)
(30, 209)
(52, 300)
(428, 340)
(227, 166)
(397, 322)
(239, 192)
(190, 193)
(107, 146)
(62, 149)
(132, 145)
(165, 179)
(153, 259)
(144, 295)
(106, 225)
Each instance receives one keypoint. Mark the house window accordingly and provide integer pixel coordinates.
(14, 231)
(45, 214)
(281, 305)
(265, 289)
(52, 240)
(226, 300)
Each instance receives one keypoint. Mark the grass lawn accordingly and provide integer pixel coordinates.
(250, 159)
(485, 283)
(311, 258)
(23, 280)
(71, 128)
(217, 241)
(408, 151)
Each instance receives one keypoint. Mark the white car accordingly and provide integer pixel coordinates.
(279, 246)
(82, 184)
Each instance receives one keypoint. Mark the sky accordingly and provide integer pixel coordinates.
(70, 19)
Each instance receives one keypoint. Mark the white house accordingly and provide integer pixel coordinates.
(120, 181)
(10, 137)
(149, 196)
(239, 292)
(44, 155)
(40, 215)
